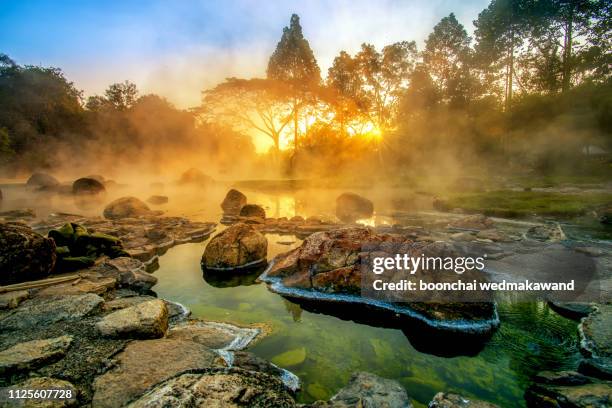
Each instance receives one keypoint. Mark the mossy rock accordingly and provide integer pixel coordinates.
(290, 358)
(74, 263)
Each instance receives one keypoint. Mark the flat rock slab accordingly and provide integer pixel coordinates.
(451, 400)
(33, 354)
(46, 383)
(96, 285)
(144, 320)
(146, 363)
(596, 332)
(214, 335)
(43, 311)
(218, 389)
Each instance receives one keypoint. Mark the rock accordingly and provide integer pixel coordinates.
(596, 367)
(87, 186)
(132, 274)
(86, 284)
(330, 263)
(77, 248)
(143, 364)
(126, 207)
(11, 300)
(290, 358)
(596, 332)
(368, 390)
(214, 335)
(24, 254)
(351, 207)
(572, 310)
(46, 383)
(451, 400)
(145, 320)
(568, 389)
(476, 222)
(17, 214)
(605, 216)
(251, 362)
(33, 354)
(231, 388)
(157, 199)
(43, 311)
(100, 179)
(233, 202)
(237, 246)
(42, 180)
(548, 232)
(195, 176)
(494, 235)
(253, 211)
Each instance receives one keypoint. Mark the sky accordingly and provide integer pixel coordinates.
(178, 48)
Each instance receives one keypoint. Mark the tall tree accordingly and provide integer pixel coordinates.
(293, 63)
(447, 57)
(500, 31)
(122, 95)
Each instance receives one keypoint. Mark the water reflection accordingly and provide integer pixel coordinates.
(230, 279)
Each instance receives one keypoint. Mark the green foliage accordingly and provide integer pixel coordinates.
(506, 203)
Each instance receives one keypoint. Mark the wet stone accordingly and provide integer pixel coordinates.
(33, 354)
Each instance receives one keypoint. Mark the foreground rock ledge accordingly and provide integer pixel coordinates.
(145, 320)
(325, 269)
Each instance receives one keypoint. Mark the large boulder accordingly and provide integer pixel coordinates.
(195, 176)
(42, 180)
(145, 320)
(24, 254)
(126, 207)
(351, 207)
(253, 210)
(87, 185)
(230, 388)
(233, 202)
(335, 262)
(238, 246)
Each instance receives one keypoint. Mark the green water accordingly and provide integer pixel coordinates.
(324, 350)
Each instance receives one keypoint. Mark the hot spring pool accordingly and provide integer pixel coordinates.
(324, 350)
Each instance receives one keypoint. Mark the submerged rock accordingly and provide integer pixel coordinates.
(549, 232)
(368, 390)
(253, 211)
(157, 199)
(568, 389)
(596, 332)
(451, 400)
(145, 320)
(126, 207)
(229, 388)
(87, 186)
(143, 364)
(290, 358)
(233, 202)
(42, 180)
(238, 246)
(24, 254)
(33, 354)
(351, 207)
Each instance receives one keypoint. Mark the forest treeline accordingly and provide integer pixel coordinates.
(530, 91)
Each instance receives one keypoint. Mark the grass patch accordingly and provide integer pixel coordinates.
(507, 203)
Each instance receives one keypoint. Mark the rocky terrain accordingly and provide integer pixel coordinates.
(99, 330)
